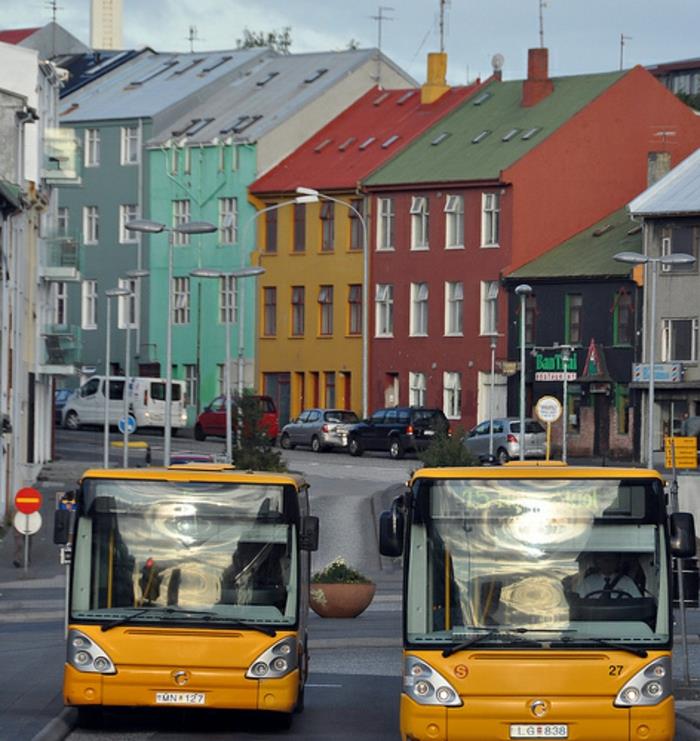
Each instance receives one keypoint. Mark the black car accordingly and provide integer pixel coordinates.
(397, 430)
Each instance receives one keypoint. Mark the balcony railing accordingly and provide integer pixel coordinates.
(62, 345)
(61, 259)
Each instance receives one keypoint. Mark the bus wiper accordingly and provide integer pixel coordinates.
(509, 634)
(167, 610)
(572, 642)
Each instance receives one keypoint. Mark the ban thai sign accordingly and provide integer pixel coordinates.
(551, 367)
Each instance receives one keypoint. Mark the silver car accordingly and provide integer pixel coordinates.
(506, 439)
(321, 429)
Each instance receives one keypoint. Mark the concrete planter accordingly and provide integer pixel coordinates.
(340, 600)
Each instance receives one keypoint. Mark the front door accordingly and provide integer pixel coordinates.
(601, 424)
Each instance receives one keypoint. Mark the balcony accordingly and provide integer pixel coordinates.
(61, 349)
(60, 259)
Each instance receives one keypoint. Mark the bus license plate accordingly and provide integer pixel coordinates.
(539, 730)
(180, 698)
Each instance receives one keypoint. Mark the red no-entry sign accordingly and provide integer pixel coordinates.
(28, 500)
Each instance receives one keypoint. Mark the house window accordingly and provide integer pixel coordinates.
(298, 310)
(271, 231)
(88, 304)
(355, 309)
(181, 215)
(330, 389)
(384, 310)
(228, 300)
(128, 305)
(679, 340)
(192, 384)
(228, 220)
(416, 389)
(325, 301)
(490, 219)
(62, 221)
(419, 309)
(299, 227)
(357, 231)
(454, 222)
(92, 147)
(181, 300)
(622, 406)
(573, 314)
(174, 159)
(454, 308)
(130, 145)
(623, 319)
(269, 311)
(419, 223)
(128, 212)
(680, 239)
(452, 395)
(385, 224)
(59, 302)
(91, 224)
(327, 226)
(489, 307)
(530, 319)
(220, 381)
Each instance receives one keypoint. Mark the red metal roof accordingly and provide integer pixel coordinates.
(360, 139)
(15, 35)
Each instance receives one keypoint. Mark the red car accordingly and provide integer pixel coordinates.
(212, 420)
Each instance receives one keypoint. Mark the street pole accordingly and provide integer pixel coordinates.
(125, 451)
(652, 355)
(109, 294)
(523, 290)
(241, 365)
(493, 389)
(227, 369)
(565, 356)
(167, 430)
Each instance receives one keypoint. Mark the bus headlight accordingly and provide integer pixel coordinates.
(649, 686)
(86, 656)
(426, 686)
(277, 661)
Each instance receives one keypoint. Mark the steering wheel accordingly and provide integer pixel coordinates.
(620, 594)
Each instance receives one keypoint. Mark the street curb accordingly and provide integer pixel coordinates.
(59, 727)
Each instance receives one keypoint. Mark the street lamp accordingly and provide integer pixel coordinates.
(154, 227)
(523, 290)
(565, 353)
(236, 275)
(312, 193)
(110, 293)
(494, 341)
(636, 258)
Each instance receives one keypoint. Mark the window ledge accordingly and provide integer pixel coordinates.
(385, 249)
(383, 336)
(453, 334)
(454, 246)
(489, 246)
(422, 248)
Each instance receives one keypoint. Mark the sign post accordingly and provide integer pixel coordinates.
(27, 520)
(548, 410)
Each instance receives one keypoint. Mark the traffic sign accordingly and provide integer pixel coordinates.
(28, 500)
(548, 409)
(131, 424)
(27, 524)
(681, 452)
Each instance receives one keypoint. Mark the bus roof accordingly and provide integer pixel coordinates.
(514, 471)
(198, 472)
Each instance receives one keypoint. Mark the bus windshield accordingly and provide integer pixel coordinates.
(215, 551)
(574, 562)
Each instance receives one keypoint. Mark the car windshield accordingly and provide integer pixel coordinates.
(532, 555)
(224, 549)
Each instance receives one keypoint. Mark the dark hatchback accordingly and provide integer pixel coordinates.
(397, 430)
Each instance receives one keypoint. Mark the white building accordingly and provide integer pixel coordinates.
(106, 21)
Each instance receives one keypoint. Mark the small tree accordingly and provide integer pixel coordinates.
(446, 450)
(255, 451)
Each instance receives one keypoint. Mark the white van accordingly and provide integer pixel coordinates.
(146, 403)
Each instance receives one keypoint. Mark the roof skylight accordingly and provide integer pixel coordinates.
(367, 142)
(265, 80)
(322, 145)
(440, 138)
(192, 64)
(405, 97)
(346, 143)
(216, 64)
(482, 98)
(510, 135)
(380, 99)
(318, 73)
(481, 136)
(530, 133)
(158, 71)
(390, 141)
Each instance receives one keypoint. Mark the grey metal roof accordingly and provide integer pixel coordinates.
(248, 106)
(678, 192)
(152, 82)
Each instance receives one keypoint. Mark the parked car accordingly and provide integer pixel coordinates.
(60, 398)
(397, 430)
(212, 420)
(320, 428)
(506, 439)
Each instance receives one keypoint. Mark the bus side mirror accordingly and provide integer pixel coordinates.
(308, 540)
(62, 525)
(682, 532)
(391, 526)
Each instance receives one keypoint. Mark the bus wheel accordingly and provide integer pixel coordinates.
(283, 721)
(89, 716)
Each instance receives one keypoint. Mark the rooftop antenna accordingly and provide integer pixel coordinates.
(443, 4)
(543, 4)
(54, 7)
(623, 38)
(380, 18)
(193, 36)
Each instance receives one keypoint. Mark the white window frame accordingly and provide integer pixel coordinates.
(228, 299)
(454, 222)
(191, 383)
(128, 306)
(62, 221)
(91, 225)
(181, 300)
(385, 224)
(489, 307)
(454, 309)
(420, 223)
(130, 145)
(417, 389)
(420, 294)
(59, 303)
(221, 378)
(325, 310)
(228, 220)
(452, 394)
(181, 215)
(128, 212)
(92, 148)
(667, 340)
(384, 310)
(88, 304)
(490, 219)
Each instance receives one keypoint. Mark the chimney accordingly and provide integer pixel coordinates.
(436, 84)
(538, 85)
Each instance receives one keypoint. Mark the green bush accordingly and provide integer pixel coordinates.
(338, 572)
(447, 450)
(255, 452)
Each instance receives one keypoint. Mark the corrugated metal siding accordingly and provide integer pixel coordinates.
(676, 193)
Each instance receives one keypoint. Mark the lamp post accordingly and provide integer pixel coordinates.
(494, 341)
(154, 227)
(636, 258)
(311, 192)
(110, 293)
(565, 351)
(236, 275)
(523, 290)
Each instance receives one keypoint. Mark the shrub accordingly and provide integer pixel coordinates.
(447, 450)
(338, 572)
(255, 452)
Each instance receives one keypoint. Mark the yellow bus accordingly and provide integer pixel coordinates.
(537, 602)
(188, 587)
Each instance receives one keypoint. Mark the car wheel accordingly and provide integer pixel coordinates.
(316, 445)
(502, 456)
(395, 449)
(354, 446)
(285, 442)
(199, 433)
(174, 431)
(72, 421)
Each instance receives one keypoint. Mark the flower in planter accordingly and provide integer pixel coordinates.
(339, 590)
(338, 572)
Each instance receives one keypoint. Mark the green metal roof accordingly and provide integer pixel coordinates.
(588, 253)
(494, 109)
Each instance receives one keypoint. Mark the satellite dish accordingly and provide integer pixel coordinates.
(497, 61)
